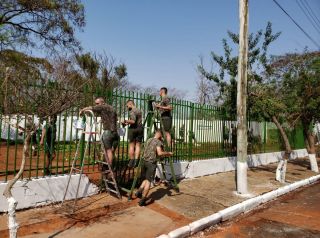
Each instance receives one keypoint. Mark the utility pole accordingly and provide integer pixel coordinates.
(242, 142)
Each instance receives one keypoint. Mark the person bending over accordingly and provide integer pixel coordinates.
(153, 151)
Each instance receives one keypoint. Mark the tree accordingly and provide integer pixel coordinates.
(36, 23)
(300, 74)
(102, 70)
(34, 86)
(269, 104)
(207, 92)
(228, 71)
(264, 101)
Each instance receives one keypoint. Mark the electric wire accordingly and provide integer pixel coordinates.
(306, 34)
(308, 15)
(312, 12)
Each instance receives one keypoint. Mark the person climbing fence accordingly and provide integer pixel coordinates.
(135, 132)
(165, 109)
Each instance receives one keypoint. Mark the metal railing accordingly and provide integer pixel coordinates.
(198, 132)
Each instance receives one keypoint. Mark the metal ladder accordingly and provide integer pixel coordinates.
(164, 171)
(88, 117)
(107, 175)
(153, 121)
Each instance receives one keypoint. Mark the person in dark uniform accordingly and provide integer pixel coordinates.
(110, 136)
(153, 151)
(135, 133)
(48, 139)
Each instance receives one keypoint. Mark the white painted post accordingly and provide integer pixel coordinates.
(242, 143)
(313, 163)
(12, 221)
(281, 171)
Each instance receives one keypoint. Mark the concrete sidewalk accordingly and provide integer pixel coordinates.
(105, 216)
(294, 215)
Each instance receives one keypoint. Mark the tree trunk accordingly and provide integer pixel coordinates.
(311, 142)
(12, 203)
(282, 166)
(284, 137)
(309, 139)
(242, 142)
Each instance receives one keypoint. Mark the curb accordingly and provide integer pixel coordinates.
(236, 209)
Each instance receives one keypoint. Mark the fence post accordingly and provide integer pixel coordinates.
(82, 143)
(191, 121)
(264, 136)
(109, 94)
(149, 118)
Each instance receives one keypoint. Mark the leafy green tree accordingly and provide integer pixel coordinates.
(102, 70)
(31, 85)
(265, 102)
(266, 98)
(36, 23)
(226, 79)
(46, 24)
(268, 102)
(300, 74)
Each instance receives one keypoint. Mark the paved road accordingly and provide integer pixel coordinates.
(295, 215)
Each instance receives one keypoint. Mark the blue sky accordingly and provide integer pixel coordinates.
(160, 41)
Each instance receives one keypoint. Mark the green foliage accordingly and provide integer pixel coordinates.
(258, 44)
(52, 23)
(20, 60)
(88, 64)
(103, 71)
(35, 85)
(300, 75)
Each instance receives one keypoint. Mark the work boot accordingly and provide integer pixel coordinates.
(138, 194)
(132, 163)
(143, 202)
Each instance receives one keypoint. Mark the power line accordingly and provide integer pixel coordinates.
(312, 12)
(303, 8)
(307, 35)
(306, 6)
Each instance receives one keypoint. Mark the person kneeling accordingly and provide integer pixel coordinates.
(152, 153)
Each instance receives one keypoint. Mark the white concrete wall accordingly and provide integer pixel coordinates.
(205, 167)
(42, 191)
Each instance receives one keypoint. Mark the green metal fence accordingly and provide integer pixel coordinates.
(198, 132)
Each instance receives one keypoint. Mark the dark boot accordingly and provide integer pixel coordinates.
(138, 194)
(143, 202)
